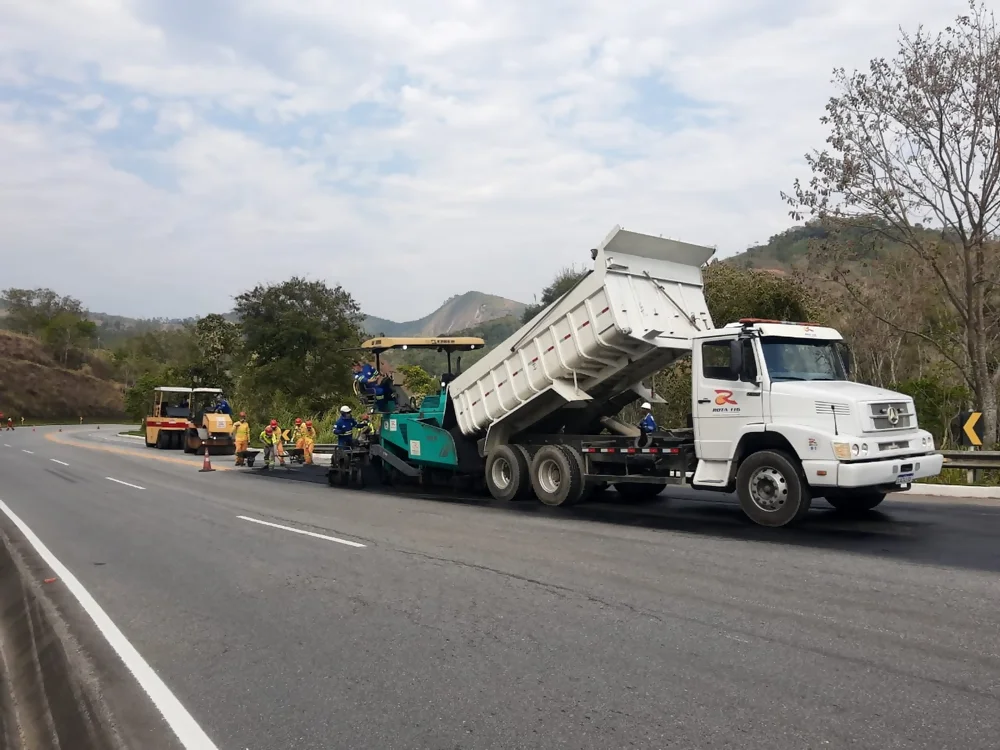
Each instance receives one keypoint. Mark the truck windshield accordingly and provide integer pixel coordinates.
(802, 359)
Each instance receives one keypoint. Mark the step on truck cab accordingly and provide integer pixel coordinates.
(773, 415)
(777, 419)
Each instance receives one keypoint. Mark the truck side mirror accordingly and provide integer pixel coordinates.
(735, 358)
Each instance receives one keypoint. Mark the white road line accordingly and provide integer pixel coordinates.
(134, 486)
(61, 463)
(24, 450)
(301, 531)
(191, 735)
(6, 445)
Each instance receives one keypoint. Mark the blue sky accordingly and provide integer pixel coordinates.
(161, 156)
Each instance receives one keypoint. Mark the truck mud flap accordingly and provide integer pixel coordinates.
(394, 461)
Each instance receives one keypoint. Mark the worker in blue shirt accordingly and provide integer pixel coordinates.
(344, 427)
(223, 406)
(648, 424)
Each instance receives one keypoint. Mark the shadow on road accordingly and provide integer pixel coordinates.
(947, 533)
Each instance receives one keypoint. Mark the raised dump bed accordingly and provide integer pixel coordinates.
(631, 316)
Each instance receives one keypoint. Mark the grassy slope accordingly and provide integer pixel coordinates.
(31, 385)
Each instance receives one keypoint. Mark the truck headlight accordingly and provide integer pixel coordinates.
(842, 451)
(864, 449)
(855, 449)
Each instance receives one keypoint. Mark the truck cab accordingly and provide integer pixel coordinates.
(777, 418)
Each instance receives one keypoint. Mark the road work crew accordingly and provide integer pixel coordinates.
(648, 424)
(309, 441)
(10, 424)
(242, 436)
(344, 427)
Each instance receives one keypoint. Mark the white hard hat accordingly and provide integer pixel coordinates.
(645, 405)
(345, 409)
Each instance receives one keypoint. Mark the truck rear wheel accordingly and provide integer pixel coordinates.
(556, 476)
(771, 489)
(507, 475)
(854, 502)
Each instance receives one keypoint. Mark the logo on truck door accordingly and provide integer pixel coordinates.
(725, 403)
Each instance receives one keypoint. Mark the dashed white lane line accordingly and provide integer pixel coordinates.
(6, 445)
(191, 735)
(25, 450)
(57, 461)
(301, 531)
(118, 481)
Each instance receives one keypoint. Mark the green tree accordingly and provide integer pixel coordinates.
(66, 333)
(295, 334)
(218, 349)
(32, 310)
(565, 280)
(417, 381)
(733, 293)
(915, 142)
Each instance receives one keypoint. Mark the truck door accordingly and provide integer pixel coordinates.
(724, 403)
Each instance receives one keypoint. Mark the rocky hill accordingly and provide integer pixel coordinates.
(461, 312)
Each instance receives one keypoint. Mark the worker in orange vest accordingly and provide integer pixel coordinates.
(299, 434)
(242, 435)
(279, 443)
(309, 441)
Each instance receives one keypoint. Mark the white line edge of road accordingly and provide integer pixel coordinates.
(191, 735)
(25, 450)
(57, 461)
(302, 531)
(118, 481)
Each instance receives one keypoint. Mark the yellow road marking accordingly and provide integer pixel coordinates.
(54, 437)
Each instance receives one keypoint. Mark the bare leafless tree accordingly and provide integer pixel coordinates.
(914, 144)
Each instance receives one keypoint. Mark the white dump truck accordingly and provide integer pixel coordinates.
(774, 416)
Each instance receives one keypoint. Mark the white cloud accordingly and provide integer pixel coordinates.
(408, 150)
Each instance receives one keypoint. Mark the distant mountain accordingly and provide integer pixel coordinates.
(460, 313)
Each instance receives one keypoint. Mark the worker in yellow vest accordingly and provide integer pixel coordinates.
(309, 441)
(242, 435)
(269, 438)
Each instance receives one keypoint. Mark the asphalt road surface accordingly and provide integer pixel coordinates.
(464, 623)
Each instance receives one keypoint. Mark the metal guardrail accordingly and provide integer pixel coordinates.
(971, 459)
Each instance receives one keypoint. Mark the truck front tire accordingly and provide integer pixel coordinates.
(854, 502)
(556, 476)
(507, 473)
(771, 489)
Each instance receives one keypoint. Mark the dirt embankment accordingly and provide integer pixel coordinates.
(33, 386)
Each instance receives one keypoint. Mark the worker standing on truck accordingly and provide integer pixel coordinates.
(242, 435)
(309, 441)
(223, 406)
(267, 437)
(648, 424)
(344, 427)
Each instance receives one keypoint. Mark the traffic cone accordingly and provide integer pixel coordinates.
(206, 464)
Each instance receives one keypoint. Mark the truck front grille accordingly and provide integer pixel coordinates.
(895, 415)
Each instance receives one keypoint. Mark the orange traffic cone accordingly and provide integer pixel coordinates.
(206, 464)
